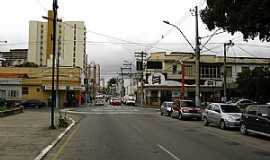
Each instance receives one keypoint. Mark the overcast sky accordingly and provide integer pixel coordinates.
(137, 21)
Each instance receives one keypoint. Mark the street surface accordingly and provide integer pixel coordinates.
(134, 133)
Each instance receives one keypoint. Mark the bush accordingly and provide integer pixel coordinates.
(3, 108)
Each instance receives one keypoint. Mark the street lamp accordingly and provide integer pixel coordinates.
(175, 26)
(196, 50)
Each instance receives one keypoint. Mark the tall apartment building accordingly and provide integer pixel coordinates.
(71, 43)
(14, 57)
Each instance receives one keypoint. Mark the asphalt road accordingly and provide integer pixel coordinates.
(133, 133)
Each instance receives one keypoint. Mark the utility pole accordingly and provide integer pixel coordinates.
(140, 58)
(182, 90)
(225, 70)
(55, 7)
(94, 85)
(197, 60)
(122, 83)
(142, 82)
(57, 81)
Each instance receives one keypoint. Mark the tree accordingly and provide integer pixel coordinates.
(254, 84)
(112, 81)
(27, 64)
(250, 17)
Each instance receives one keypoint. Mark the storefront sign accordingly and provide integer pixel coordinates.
(156, 79)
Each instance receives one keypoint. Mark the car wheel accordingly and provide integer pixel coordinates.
(206, 123)
(169, 114)
(36, 106)
(161, 113)
(243, 129)
(222, 125)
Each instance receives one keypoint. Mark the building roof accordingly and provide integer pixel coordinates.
(13, 75)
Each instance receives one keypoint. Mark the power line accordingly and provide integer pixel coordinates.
(250, 54)
(41, 5)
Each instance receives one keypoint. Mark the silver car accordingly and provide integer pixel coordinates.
(223, 115)
(166, 108)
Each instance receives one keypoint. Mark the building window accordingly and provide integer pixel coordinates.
(210, 71)
(229, 71)
(12, 93)
(189, 70)
(154, 65)
(24, 90)
(174, 68)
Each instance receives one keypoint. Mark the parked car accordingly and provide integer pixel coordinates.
(33, 103)
(256, 119)
(166, 108)
(116, 101)
(222, 114)
(130, 100)
(100, 100)
(183, 109)
(241, 103)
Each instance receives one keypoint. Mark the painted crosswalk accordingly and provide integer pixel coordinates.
(109, 109)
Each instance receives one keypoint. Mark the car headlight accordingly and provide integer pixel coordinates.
(230, 118)
(169, 109)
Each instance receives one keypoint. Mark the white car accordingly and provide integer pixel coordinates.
(130, 101)
(100, 100)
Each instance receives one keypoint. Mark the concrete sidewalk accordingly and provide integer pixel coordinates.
(24, 135)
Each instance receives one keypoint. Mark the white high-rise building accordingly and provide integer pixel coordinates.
(71, 43)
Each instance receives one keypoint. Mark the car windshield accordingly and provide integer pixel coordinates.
(265, 111)
(169, 104)
(233, 101)
(230, 109)
(187, 104)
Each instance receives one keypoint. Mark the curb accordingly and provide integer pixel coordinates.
(45, 151)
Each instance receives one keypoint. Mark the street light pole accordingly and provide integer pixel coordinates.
(197, 55)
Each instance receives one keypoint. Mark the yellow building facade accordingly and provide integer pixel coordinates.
(38, 84)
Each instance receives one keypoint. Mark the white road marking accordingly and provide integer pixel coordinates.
(115, 112)
(167, 151)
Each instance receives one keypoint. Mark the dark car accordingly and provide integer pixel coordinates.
(33, 103)
(166, 108)
(256, 119)
(186, 109)
(241, 103)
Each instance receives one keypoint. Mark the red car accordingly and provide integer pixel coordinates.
(186, 109)
(116, 101)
